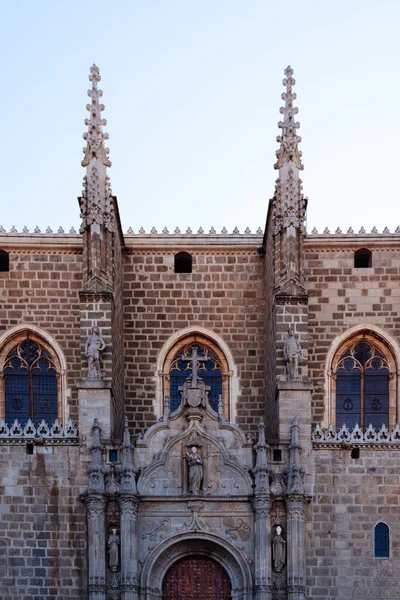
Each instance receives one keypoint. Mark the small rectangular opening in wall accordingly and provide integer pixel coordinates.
(277, 455)
(113, 456)
(355, 453)
(29, 448)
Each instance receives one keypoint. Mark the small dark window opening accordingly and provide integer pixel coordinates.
(4, 261)
(29, 448)
(381, 540)
(362, 258)
(183, 262)
(113, 456)
(355, 453)
(277, 454)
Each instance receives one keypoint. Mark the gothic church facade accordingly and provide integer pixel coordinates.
(199, 416)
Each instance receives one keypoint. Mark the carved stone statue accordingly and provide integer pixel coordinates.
(195, 463)
(278, 550)
(113, 550)
(94, 346)
(292, 355)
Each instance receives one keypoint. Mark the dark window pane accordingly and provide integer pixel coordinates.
(381, 540)
(209, 372)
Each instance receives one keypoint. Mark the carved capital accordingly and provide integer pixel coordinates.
(129, 505)
(95, 505)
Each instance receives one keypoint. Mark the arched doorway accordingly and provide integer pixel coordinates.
(196, 578)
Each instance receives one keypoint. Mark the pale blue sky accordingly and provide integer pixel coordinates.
(192, 93)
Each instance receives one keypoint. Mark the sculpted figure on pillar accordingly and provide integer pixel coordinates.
(113, 550)
(292, 354)
(278, 550)
(94, 346)
(195, 463)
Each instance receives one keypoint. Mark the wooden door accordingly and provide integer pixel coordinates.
(196, 578)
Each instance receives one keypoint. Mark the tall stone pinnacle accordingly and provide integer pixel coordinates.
(96, 202)
(95, 136)
(289, 140)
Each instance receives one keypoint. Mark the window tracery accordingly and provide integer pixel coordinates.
(30, 381)
(211, 366)
(363, 386)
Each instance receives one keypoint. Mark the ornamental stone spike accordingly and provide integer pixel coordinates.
(261, 469)
(128, 471)
(289, 140)
(95, 136)
(96, 469)
(96, 202)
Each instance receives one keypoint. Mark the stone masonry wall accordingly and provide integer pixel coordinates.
(118, 383)
(341, 297)
(41, 288)
(224, 293)
(350, 497)
(42, 524)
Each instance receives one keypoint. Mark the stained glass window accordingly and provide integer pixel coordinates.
(362, 387)
(209, 371)
(30, 384)
(381, 540)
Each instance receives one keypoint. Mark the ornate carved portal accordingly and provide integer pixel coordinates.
(196, 578)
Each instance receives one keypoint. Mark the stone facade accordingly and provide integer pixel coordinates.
(205, 425)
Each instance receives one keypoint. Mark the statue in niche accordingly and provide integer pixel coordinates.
(195, 463)
(292, 354)
(278, 550)
(113, 550)
(94, 346)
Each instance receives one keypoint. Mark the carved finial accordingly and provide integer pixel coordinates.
(94, 136)
(289, 140)
(128, 471)
(261, 469)
(295, 483)
(96, 469)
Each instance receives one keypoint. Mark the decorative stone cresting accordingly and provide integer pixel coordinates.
(350, 231)
(331, 436)
(48, 231)
(43, 430)
(190, 232)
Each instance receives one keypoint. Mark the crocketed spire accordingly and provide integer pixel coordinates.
(289, 140)
(95, 136)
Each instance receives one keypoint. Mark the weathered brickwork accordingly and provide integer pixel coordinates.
(350, 497)
(117, 332)
(41, 288)
(272, 413)
(42, 524)
(341, 297)
(224, 293)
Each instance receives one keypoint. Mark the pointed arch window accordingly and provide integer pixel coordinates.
(30, 382)
(363, 384)
(213, 371)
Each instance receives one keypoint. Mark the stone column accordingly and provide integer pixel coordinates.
(296, 500)
(262, 548)
(129, 509)
(96, 505)
(262, 525)
(129, 550)
(96, 510)
(295, 505)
